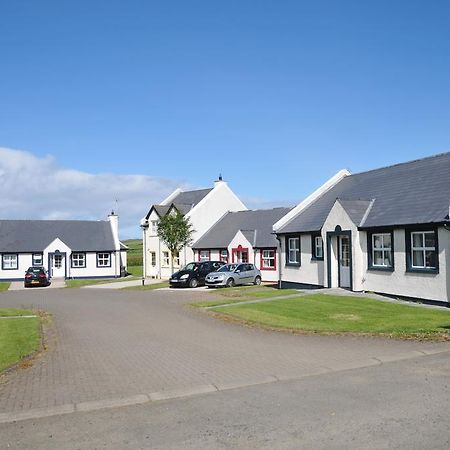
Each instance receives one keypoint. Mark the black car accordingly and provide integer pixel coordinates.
(194, 274)
(36, 276)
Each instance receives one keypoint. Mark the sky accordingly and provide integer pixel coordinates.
(127, 100)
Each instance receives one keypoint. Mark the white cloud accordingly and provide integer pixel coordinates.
(38, 188)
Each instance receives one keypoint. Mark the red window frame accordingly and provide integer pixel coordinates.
(239, 248)
(205, 250)
(261, 267)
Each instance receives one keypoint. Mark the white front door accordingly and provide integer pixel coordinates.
(58, 264)
(344, 262)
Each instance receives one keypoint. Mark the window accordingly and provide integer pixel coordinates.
(165, 259)
(153, 259)
(37, 259)
(423, 250)
(293, 251)
(103, 259)
(79, 259)
(10, 261)
(316, 246)
(268, 259)
(224, 255)
(203, 255)
(176, 259)
(240, 254)
(154, 227)
(381, 250)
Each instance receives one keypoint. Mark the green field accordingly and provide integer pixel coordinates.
(19, 337)
(321, 313)
(134, 252)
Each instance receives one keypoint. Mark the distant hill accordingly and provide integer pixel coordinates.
(134, 252)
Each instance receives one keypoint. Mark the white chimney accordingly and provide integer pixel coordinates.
(113, 219)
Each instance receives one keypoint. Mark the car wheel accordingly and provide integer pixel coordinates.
(193, 283)
(230, 282)
(257, 281)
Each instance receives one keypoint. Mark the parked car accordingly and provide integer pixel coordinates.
(36, 276)
(234, 274)
(194, 274)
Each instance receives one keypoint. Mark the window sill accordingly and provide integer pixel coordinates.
(313, 258)
(381, 269)
(292, 264)
(273, 269)
(414, 270)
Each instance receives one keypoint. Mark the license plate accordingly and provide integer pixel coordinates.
(35, 282)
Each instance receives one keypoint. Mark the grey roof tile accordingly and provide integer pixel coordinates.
(415, 192)
(36, 235)
(255, 225)
(184, 202)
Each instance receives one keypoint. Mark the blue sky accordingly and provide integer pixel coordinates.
(275, 95)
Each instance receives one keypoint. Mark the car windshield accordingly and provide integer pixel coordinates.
(227, 268)
(35, 269)
(191, 266)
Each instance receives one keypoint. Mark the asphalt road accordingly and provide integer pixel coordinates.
(398, 405)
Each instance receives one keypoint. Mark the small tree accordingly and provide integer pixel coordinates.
(175, 231)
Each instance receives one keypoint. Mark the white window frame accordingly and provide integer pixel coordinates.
(10, 261)
(318, 245)
(202, 258)
(165, 259)
(224, 255)
(383, 249)
(153, 259)
(295, 249)
(154, 227)
(423, 249)
(34, 259)
(103, 259)
(268, 256)
(176, 259)
(78, 260)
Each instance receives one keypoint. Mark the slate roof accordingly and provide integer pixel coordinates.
(184, 202)
(35, 235)
(191, 197)
(256, 226)
(415, 192)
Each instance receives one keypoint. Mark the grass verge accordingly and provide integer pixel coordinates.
(244, 293)
(328, 314)
(148, 287)
(19, 337)
(4, 285)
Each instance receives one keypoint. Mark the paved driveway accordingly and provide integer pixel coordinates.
(108, 345)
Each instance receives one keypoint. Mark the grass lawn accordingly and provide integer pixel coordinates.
(243, 293)
(4, 285)
(321, 313)
(18, 337)
(135, 271)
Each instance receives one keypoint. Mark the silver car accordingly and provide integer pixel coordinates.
(234, 274)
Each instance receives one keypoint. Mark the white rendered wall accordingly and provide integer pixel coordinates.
(310, 271)
(409, 284)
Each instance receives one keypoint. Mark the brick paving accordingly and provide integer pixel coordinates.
(108, 344)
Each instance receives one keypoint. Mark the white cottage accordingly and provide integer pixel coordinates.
(65, 248)
(244, 236)
(385, 230)
(203, 208)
